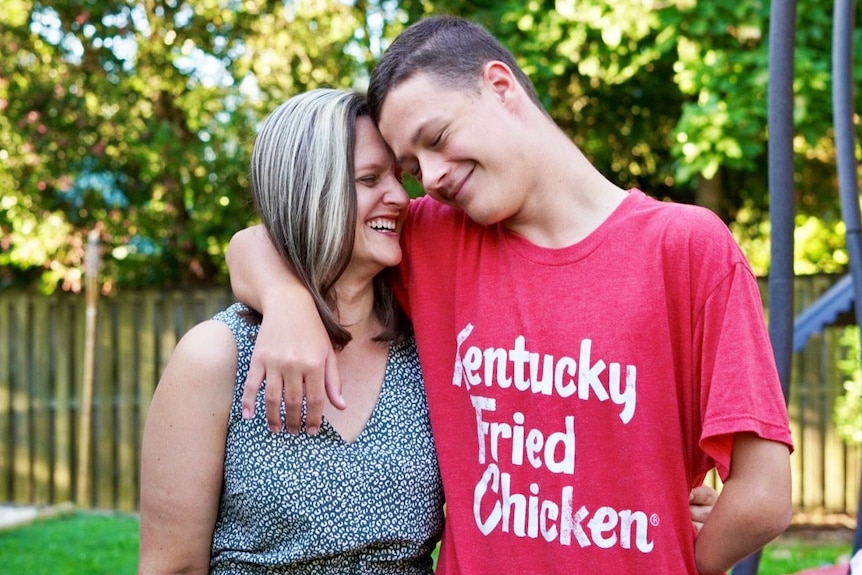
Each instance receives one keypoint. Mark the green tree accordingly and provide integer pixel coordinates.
(671, 97)
(136, 118)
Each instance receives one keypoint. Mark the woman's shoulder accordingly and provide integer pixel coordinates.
(209, 347)
(201, 371)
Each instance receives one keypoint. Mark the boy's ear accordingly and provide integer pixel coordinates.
(498, 77)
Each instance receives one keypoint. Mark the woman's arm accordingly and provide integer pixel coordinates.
(182, 461)
(293, 352)
(701, 500)
(754, 506)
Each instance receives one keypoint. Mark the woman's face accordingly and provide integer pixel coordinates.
(381, 202)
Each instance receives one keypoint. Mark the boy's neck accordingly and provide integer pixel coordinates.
(569, 200)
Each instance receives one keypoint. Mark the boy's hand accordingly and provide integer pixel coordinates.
(292, 367)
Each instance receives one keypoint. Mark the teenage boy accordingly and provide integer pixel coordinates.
(589, 352)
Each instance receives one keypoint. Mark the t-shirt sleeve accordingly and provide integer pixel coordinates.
(740, 390)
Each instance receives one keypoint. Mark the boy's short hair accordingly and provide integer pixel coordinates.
(450, 49)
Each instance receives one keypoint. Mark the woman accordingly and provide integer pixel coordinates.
(224, 495)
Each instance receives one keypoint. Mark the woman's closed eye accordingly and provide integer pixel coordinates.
(368, 180)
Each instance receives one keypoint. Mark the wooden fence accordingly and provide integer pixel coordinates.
(41, 351)
(826, 471)
(41, 346)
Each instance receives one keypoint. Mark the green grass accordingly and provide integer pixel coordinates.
(107, 544)
(75, 544)
(791, 556)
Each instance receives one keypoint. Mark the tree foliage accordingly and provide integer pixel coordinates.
(136, 117)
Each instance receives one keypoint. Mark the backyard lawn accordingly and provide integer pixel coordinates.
(107, 544)
(73, 544)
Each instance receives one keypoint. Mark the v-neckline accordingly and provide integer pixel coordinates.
(326, 423)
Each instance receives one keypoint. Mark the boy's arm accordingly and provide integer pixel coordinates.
(754, 506)
(293, 352)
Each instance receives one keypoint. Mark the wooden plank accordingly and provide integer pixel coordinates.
(62, 337)
(215, 301)
(853, 475)
(103, 432)
(170, 327)
(835, 450)
(220, 299)
(833, 465)
(77, 352)
(6, 370)
(40, 360)
(127, 357)
(833, 455)
(810, 441)
(147, 370)
(106, 431)
(824, 417)
(796, 433)
(149, 365)
(21, 455)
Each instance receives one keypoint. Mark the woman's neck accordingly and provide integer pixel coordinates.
(356, 310)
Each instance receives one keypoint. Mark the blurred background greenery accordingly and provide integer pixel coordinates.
(135, 118)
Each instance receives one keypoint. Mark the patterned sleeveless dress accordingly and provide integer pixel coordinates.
(301, 504)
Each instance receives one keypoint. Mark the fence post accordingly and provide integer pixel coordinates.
(91, 294)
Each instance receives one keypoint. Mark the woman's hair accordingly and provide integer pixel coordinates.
(303, 183)
(450, 49)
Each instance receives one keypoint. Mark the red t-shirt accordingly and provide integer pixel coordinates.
(578, 394)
